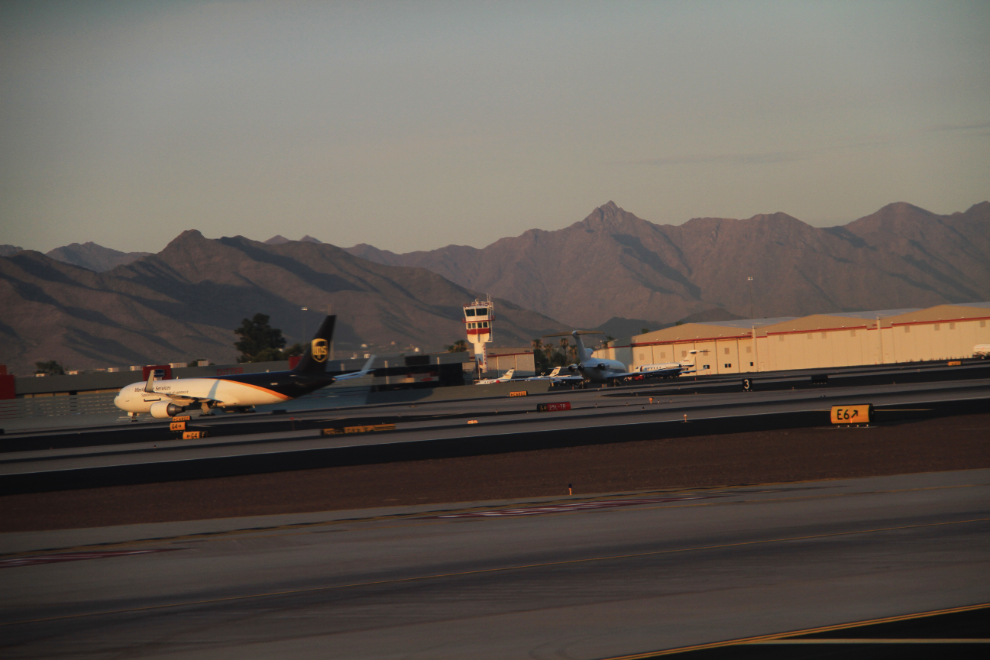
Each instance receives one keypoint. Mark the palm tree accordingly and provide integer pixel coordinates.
(541, 358)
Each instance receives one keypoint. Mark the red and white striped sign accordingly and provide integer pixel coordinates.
(567, 508)
(73, 556)
(553, 407)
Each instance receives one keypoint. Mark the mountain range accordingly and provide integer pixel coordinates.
(615, 264)
(184, 303)
(612, 270)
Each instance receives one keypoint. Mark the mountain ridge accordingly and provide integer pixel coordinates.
(610, 269)
(900, 256)
(93, 256)
(184, 303)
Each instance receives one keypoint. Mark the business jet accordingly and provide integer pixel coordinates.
(550, 376)
(589, 369)
(241, 392)
(502, 379)
(665, 370)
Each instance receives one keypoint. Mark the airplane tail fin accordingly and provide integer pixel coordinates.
(689, 364)
(365, 370)
(508, 374)
(583, 353)
(314, 360)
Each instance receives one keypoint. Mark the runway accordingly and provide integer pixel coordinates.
(574, 577)
(251, 444)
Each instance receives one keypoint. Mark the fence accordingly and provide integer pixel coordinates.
(58, 405)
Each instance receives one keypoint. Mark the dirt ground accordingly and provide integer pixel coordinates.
(954, 443)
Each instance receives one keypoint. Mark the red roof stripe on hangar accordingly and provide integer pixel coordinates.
(971, 318)
(692, 341)
(814, 330)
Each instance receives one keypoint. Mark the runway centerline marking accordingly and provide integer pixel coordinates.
(501, 569)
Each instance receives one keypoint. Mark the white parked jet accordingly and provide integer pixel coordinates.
(602, 370)
(553, 375)
(666, 369)
(167, 398)
(501, 379)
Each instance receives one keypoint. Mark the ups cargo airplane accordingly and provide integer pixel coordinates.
(167, 398)
(590, 369)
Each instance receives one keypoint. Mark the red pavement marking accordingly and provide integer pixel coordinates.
(565, 508)
(73, 556)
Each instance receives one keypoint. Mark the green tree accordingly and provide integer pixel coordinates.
(259, 341)
(50, 368)
(459, 346)
(643, 331)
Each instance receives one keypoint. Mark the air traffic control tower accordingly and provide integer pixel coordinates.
(478, 318)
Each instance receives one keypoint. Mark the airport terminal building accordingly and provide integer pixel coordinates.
(943, 332)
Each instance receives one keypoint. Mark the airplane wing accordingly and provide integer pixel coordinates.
(567, 379)
(177, 399)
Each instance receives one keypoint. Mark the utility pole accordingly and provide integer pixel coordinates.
(304, 310)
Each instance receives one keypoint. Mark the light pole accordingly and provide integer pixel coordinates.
(304, 310)
(752, 313)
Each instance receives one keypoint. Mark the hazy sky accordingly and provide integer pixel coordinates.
(412, 125)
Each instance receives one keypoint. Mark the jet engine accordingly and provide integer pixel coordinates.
(601, 366)
(164, 409)
(573, 367)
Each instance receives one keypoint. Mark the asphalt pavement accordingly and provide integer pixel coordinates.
(580, 577)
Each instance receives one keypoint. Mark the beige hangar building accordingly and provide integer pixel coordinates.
(814, 342)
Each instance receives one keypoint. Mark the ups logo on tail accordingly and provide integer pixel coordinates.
(320, 350)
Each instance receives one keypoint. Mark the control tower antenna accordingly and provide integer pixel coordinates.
(478, 319)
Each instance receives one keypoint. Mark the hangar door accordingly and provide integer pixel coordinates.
(727, 356)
